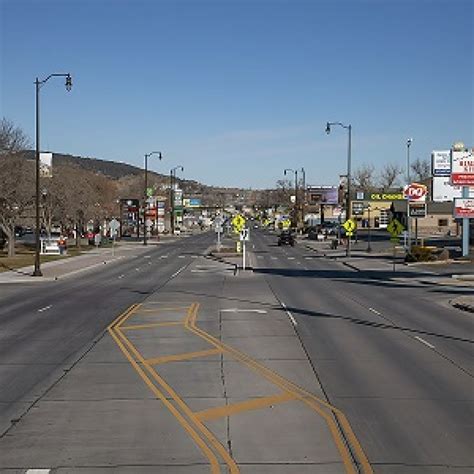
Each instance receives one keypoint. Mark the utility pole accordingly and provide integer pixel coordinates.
(145, 197)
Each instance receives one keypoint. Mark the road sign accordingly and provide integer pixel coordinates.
(415, 192)
(417, 209)
(244, 234)
(238, 222)
(395, 227)
(349, 226)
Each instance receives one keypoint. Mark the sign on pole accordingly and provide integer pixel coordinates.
(464, 208)
(349, 226)
(417, 209)
(462, 167)
(46, 165)
(415, 192)
(441, 163)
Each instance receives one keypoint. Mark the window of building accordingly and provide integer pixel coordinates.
(442, 222)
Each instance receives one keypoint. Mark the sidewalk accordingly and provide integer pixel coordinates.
(69, 266)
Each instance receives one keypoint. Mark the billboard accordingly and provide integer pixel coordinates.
(464, 207)
(462, 167)
(191, 202)
(441, 163)
(323, 195)
(46, 165)
(415, 192)
(443, 190)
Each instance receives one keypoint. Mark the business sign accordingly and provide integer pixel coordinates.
(178, 197)
(46, 165)
(415, 192)
(462, 167)
(385, 197)
(323, 195)
(191, 202)
(417, 209)
(441, 163)
(464, 207)
(358, 208)
(443, 190)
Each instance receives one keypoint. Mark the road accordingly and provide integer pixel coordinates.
(45, 326)
(301, 365)
(389, 352)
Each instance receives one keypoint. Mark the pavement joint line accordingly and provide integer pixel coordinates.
(426, 343)
(122, 341)
(343, 437)
(120, 337)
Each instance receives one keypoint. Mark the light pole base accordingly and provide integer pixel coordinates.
(37, 273)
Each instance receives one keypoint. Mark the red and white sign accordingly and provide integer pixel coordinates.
(464, 207)
(415, 192)
(462, 168)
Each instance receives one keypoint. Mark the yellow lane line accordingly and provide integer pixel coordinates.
(152, 325)
(233, 468)
(160, 310)
(234, 408)
(215, 469)
(311, 400)
(183, 356)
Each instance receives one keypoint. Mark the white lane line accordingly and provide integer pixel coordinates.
(273, 258)
(121, 276)
(137, 269)
(45, 308)
(150, 263)
(181, 256)
(38, 471)
(292, 318)
(175, 274)
(308, 258)
(147, 256)
(238, 310)
(194, 256)
(424, 342)
(375, 311)
(164, 256)
(291, 258)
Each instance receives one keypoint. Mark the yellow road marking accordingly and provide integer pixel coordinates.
(215, 469)
(234, 408)
(152, 325)
(157, 310)
(233, 468)
(301, 394)
(183, 356)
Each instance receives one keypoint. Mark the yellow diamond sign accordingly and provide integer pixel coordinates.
(395, 227)
(238, 222)
(350, 226)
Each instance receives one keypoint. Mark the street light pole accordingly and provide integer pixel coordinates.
(349, 176)
(295, 210)
(172, 184)
(145, 204)
(304, 196)
(369, 248)
(38, 84)
(409, 142)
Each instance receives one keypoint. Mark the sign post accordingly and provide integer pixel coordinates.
(218, 229)
(462, 173)
(414, 193)
(349, 226)
(395, 228)
(244, 237)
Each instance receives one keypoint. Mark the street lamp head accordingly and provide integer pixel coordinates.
(328, 128)
(68, 82)
(409, 141)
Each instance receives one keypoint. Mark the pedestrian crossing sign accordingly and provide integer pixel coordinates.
(349, 226)
(238, 222)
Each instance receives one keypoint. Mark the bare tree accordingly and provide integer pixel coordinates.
(16, 179)
(421, 168)
(389, 175)
(364, 177)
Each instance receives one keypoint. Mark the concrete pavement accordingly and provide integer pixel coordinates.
(204, 373)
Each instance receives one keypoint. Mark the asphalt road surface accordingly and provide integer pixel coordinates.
(390, 352)
(385, 349)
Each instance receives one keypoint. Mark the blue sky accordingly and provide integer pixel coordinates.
(236, 91)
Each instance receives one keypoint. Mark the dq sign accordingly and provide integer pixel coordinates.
(415, 192)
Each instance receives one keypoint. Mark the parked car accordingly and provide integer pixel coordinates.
(286, 238)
